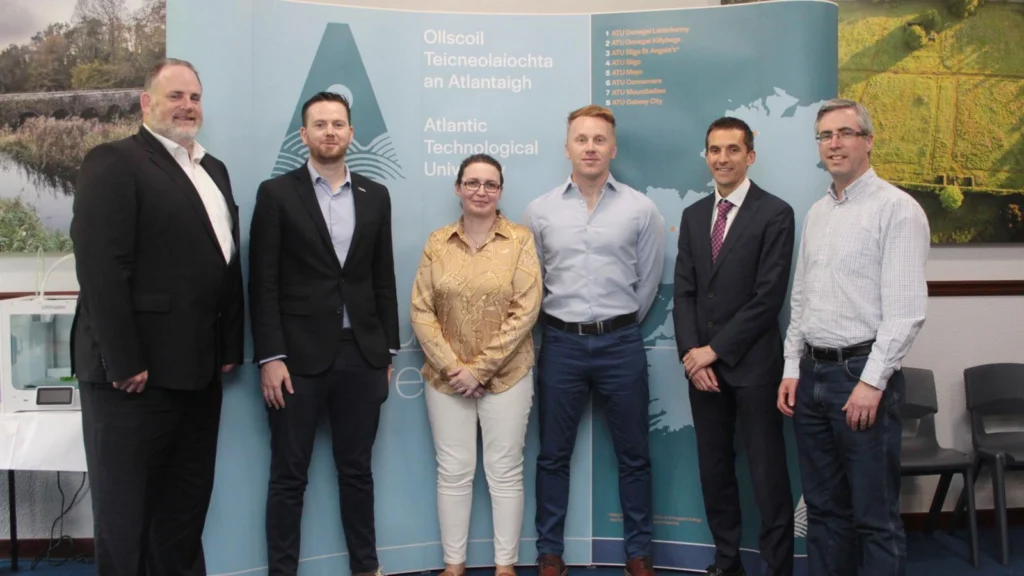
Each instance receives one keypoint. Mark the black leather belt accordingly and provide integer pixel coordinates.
(839, 354)
(591, 328)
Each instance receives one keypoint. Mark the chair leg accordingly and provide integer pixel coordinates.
(961, 502)
(999, 497)
(972, 519)
(937, 500)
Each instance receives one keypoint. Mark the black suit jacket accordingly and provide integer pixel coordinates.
(155, 291)
(297, 286)
(734, 304)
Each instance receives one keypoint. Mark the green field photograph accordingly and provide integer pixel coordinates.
(71, 72)
(944, 82)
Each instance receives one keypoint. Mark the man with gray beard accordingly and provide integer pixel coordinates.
(159, 321)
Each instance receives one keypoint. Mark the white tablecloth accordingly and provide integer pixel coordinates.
(49, 440)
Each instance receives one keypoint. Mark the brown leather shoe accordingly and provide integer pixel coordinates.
(551, 565)
(640, 566)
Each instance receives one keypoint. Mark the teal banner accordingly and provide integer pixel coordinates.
(428, 89)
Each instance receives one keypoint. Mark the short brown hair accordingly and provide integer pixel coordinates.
(730, 123)
(593, 111)
(163, 63)
(327, 97)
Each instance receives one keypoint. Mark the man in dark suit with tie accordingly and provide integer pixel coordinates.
(325, 326)
(732, 271)
(159, 320)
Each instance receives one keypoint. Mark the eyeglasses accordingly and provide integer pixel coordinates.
(490, 186)
(845, 134)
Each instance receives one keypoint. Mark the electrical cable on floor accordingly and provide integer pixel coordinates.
(55, 543)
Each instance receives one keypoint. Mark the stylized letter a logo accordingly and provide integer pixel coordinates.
(338, 67)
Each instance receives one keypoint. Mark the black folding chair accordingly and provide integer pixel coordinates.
(996, 390)
(921, 454)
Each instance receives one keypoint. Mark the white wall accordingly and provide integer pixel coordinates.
(24, 272)
(38, 503)
(963, 331)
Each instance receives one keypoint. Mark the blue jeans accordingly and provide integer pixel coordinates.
(615, 364)
(851, 479)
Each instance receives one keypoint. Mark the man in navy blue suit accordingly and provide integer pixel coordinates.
(731, 276)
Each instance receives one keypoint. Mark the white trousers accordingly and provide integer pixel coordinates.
(502, 418)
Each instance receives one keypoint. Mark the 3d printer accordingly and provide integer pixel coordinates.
(35, 354)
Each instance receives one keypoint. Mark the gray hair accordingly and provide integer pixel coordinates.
(163, 63)
(863, 116)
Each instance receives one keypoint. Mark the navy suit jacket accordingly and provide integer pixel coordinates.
(733, 304)
(297, 286)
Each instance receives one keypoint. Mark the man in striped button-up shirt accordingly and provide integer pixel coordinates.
(858, 302)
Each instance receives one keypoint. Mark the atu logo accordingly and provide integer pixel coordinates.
(338, 68)
(800, 519)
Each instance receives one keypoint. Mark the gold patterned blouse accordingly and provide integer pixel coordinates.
(477, 309)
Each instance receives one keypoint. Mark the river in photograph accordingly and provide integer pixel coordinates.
(46, 196)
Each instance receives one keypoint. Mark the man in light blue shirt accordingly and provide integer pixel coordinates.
(602, 248)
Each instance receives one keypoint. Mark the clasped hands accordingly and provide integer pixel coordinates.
(697, 363)
(463, 381)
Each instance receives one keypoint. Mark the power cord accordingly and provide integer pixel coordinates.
(55, 543)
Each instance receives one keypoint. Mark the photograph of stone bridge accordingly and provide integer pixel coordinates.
(107, 105)
(64, 88)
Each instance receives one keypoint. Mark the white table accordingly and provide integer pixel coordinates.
(48, 441)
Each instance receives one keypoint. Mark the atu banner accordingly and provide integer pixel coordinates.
(428, 89)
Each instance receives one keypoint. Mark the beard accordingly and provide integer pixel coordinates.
(179, 134)
(322, 156)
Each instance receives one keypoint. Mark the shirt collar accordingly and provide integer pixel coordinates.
(855, 188)
(501, 227)
(317, 177)
(737, 196)
(610, 184)
(176, 149)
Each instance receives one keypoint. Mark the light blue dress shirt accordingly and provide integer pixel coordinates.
(339, 210)
(601, 264)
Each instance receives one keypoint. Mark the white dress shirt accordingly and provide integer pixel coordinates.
(736, 199)
(213, 199)
(860, 276)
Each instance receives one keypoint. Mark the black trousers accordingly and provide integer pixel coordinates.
(351, 393)
(150, 459)
(715, 419)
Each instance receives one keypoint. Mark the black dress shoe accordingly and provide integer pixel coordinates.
(714, 571)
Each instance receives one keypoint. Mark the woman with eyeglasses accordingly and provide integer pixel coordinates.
(475, 300)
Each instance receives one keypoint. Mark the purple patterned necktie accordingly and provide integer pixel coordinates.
(718, 232)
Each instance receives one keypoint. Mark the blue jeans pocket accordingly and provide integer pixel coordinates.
(854, 367)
